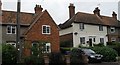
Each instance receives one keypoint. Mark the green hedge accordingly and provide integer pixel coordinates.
(109, 54)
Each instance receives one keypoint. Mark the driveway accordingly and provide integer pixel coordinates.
(105, 63)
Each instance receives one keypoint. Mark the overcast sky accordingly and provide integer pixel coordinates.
(58, 9)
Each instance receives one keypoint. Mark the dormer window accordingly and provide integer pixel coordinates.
(11, 29)
(81, 25)
(112, 29)
(100, 28)
(46, 29)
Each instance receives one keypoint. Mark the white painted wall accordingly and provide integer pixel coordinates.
(90, 30)
(65, 31)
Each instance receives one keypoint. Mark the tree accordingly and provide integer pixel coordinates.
(9, 54)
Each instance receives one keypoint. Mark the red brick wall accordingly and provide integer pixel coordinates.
(66, 37)
(35, 33)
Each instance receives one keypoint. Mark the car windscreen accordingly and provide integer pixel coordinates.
(88, 51)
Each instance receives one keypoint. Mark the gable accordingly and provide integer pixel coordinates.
(42, 19)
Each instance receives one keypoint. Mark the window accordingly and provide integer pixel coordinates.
(113, 39)
(11, 43)
(11, 29)
(101, 40)
(112, 29)
(100, 28)
(48, 48)
(45, 29)
(81, 26)
(82, 40)
(94, 39)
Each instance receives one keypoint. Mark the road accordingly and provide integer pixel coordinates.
(105, 63)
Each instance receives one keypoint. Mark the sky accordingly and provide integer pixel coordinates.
(58, 9)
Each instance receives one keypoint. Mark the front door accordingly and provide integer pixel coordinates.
(90, 42)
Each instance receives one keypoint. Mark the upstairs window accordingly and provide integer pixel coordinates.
(81, 25)
(112, 29)
(100, 28)
(11, 29)
(45, 29)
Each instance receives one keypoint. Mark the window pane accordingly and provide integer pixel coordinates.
(13, 29)
(48, 29)
(44, 29)
(8, 29)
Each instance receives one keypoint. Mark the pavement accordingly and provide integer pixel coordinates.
(105, 63)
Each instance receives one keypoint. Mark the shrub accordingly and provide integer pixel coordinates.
(56, 58)
(33, 60)
(100, 44)
(109, 54)
(76, 56)
(9, 54)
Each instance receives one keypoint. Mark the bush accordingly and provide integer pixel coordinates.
(56, 58)
(33, 60)
(9, 54)
(76, 56)
(109, 54)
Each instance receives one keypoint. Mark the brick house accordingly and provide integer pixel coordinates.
(34, 27)
(88, 29)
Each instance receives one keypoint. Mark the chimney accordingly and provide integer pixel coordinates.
(71, 10)
(38, 9)
(114, 15)
(97, 11)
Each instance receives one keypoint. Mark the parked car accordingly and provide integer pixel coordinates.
(92, 56)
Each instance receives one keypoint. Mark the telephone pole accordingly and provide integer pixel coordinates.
(18, 43)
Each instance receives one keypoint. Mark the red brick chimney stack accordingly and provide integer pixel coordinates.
(71, 10)
(38, 9)
(114, 15)
(97, 11)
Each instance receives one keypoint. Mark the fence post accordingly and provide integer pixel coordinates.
(46, 60)
(67, 57)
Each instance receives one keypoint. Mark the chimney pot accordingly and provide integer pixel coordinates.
(114, 15)
(38, 9)
(97, 11)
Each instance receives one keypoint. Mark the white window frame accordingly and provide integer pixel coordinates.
(11, 43)
(47, 26)
(48, 50)
(100, 28)
(81, 26)
(112, 28)
(102, 40)
(82, 40)
(11, 29)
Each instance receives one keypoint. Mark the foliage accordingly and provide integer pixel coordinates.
(109, 54)
(76, 56)
(100, 44)
(37, 54)
(56, 58)
(9, 54)
(34, 60)
(115, 45)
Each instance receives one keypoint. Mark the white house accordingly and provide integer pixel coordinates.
(85, 29)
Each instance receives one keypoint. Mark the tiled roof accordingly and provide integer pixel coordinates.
(9, 17)
(87, 18)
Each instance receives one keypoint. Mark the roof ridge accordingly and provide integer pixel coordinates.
(34, 21)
